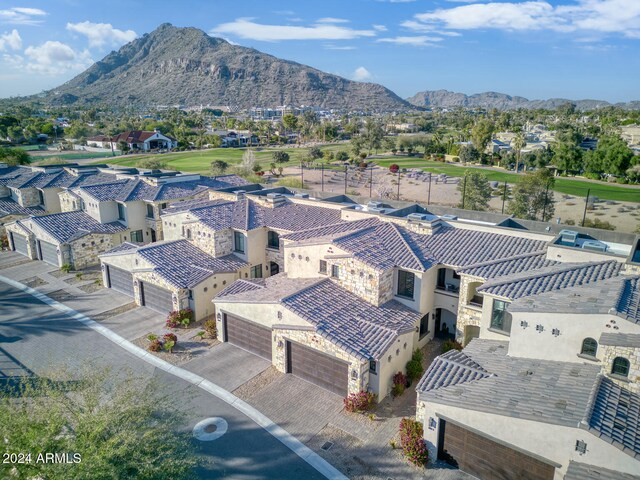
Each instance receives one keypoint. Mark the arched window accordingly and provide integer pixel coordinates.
(188, 233)
(620, 366)
(589, 347)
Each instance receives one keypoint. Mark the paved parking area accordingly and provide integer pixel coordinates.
(228, 366)
(135, 323)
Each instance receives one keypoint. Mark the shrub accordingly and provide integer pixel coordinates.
(4, 242)
(397, 389)
(597, 223)
(180, 317)
(359, 402)
(414, 369)
(169, 341)
(291, 182)
(414, 448)
(211, 328)
(155, 345)
(393, 168)
(66, 268)
(417, 355)
(399, 384)
(451, 345)
(151, 337)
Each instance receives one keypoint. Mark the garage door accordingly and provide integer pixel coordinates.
(120, 280)
(323, 370)
(248, 335)
(20, 243)
(48, 253)
(486, 459)
(156, 298)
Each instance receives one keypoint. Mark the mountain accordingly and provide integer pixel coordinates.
(501, 101)
(185, 66)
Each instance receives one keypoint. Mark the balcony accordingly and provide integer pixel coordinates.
(476, 301)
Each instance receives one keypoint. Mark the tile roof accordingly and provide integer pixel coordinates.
(184, 265)
(546, 279)
(539, 390)
(508, 266)
(582, 471)
(245, 214)
(620, 339)
(8, 206)
(329, 232)
(356, 326)
(105, 192)
(628, 302)
(68, 226)
(614, 415)
(123, 247)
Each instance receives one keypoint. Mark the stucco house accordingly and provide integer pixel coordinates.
(170, 275)
(72, 238)
(10, 211)
(143, 140)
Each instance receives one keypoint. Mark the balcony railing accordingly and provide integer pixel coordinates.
(476, 301)
(448, 287)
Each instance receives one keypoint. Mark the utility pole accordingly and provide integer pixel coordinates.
(370, 181)
(322, 177)
(464, 190)
(302, 173)
(504, 195)
(546, 199)
(398, 185)
(586, 202)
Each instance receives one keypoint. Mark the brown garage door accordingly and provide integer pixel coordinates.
(156, 298)
(327, 372)
(248, 335)
(486, 459)
(120, 280)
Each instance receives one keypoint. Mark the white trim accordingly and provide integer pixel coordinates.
(291, 442)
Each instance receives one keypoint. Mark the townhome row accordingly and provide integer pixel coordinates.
(340, 293)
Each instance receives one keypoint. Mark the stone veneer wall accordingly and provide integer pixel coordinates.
(368, 283)
(7, 219)
(28, 197)
(180, 297)
(31, 239)
(85, 250)
(630, 353)
(277, 256)
(317, 342)
(66, 201)
(631, 269)
(467, 315)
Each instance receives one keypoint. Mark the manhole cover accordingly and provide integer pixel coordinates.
(210, 429)
(327, 446)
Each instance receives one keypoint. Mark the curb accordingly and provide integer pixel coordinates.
(291, 442)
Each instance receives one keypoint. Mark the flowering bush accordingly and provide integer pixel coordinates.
(155, 345)
(399, 384)
(211, 328)
(359, 402)
(393, 168)
(180, 317)
(414, 447)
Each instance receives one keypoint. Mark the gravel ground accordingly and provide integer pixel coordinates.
(34, 282)
(257, 383)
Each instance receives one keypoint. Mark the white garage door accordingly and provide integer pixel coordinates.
(20, 243)
(48, 253)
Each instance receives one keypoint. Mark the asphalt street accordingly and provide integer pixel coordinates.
(36, 338)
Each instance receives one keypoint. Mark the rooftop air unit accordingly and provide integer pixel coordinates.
(449, 217)
(302, 195)
(374, 204)
(239, 193)
(594, 245)
(568, 236)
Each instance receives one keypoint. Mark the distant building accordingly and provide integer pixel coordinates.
(141, 140)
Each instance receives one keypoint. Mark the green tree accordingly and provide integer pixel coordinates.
(315, 153)
(567, 155)
(476, 190)
(518, 143)
(120, 427)
(481, 134)
(612, 155)
(468, 154)
(218, 167)
(14, 156)
(342, 156)
(280, 156)
(372, 135)
(532, 197)
(152, 163)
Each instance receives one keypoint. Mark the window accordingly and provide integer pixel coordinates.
(455, 275)
(500, 318)
(188, 233)
(273, 240)
(620, 367)
(163, 206)
(406, 281)
(373, 367)
(121, 214)
(442, 274)
(41, 197)
(238, 242)
(424, 326)
(335, 271)
(323, 267)
(82, 205)
(256, 271)
(136, 236)
(150, 211)
(589, 347)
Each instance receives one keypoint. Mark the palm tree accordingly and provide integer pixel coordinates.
(518, 143)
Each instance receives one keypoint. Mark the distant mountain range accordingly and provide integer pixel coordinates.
(501, 101)
(185, 66)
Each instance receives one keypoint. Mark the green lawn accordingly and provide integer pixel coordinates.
(568, 186)
(200, 160)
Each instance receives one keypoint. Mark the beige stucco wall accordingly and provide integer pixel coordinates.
(52, 200)
(561, 253)
(552, 442)
(393, 361)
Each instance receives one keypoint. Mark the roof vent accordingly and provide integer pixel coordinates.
(239, 194)
(419, 217)
(276, 199)
(569, 236)
(594, 245)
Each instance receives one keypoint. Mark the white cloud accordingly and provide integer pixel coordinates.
(22, 16)
(414, 41)
(10, 40)
(605, 16)
(247, 28)
(332, 20)
(102, 34)
(330, 46)
(361, 74)
(54, 58)
(380, 28)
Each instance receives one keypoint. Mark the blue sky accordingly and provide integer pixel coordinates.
(537, 49)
